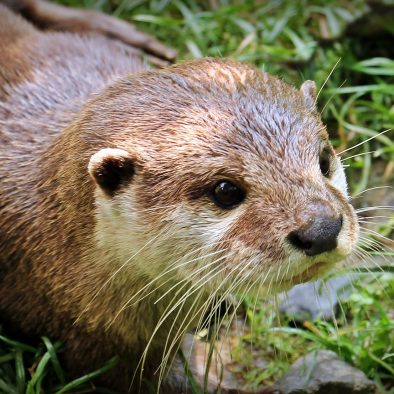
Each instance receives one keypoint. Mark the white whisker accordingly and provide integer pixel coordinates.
(363, 142)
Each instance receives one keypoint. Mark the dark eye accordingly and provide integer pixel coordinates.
(325, 162)
(227, 195)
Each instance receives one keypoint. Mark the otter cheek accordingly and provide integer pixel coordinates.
(339, 179)
(348, 237)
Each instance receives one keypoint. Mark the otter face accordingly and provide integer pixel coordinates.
(221, 175)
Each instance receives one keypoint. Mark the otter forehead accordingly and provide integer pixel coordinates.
(220, 110)
(210, 93)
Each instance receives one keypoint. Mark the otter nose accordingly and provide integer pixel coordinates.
(318, 237)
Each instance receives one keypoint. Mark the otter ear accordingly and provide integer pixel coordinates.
(111, 169)
(308, 91)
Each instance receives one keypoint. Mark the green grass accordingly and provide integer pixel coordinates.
(36, 369)
(362, 334)
(296, 41)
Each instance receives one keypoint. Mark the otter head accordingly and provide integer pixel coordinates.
(216, 173)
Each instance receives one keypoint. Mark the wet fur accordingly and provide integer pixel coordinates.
(71, 256)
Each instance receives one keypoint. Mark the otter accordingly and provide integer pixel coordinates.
(131, 197)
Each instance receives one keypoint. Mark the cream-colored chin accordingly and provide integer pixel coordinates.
(309, 272)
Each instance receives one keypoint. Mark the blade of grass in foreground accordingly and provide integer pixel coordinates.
(86, 378)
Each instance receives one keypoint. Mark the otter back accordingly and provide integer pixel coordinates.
(46, 77)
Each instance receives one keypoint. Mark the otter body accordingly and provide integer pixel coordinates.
(130, 198)
(45, 80)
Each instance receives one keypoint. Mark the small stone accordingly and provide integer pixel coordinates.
(322, 372)
(313, 300)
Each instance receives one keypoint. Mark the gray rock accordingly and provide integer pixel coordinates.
(322, 372)
(314, 300)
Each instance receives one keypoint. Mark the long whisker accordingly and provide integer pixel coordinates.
(371, 243)
(376, 234)
(170, 308)
(358, 154)
(167, 353)
(376, 208)
(222, 298)
(117, 271)
(183, 328)
(375, 245)
(232, 287)
(171, 268)
(240, 300)
(187, 279)
(129, 304)
(249, 284)
(142, 360)
(331, 97)
(363, 142)
(376, 217)
(368, 190)
(285, 272)
(217, 326)
(326, 80)
(365, 256)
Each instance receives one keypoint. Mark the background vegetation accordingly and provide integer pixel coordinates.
(346, 47)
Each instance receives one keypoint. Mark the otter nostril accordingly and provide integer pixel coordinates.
(320, 236)
(296, 240)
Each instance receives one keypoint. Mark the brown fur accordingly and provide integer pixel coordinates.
(65, 97)
(55, 17)
(30, 117)
(15, 66)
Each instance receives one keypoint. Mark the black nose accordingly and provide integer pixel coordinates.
(320, 236)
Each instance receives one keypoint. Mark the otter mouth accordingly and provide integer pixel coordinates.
(306, 275)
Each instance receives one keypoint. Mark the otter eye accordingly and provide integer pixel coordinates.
(325, 162)
(227, 195)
